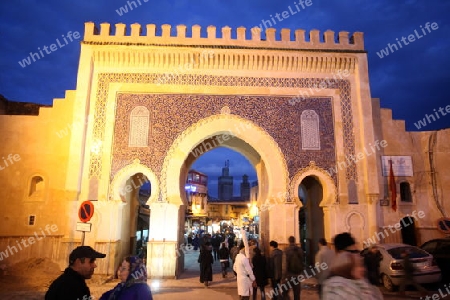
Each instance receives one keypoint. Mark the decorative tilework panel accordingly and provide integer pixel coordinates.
(174, 113)
(343, 86)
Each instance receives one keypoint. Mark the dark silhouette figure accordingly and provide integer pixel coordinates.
(206, 260)
(260, 272)
(372, 262)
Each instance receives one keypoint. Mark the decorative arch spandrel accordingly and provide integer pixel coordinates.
(118, 184)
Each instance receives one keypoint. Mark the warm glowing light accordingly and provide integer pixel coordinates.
(96, 147)
(253, 209)
(155, 285)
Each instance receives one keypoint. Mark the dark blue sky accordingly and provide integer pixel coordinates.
(212, 162)
(411, 81)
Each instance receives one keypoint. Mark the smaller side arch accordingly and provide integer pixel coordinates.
(355, 223)
(118, 185)
(329, 188)
(349, 217)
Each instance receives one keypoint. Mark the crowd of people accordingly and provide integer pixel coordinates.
(342, 273)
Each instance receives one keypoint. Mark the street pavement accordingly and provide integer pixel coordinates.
(187, 287)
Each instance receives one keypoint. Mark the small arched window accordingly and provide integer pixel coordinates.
(405, 192)
(36, 186)
(139, 127)
(310, 130)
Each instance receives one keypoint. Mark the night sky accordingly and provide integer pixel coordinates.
(410, 80)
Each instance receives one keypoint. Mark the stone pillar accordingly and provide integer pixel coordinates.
(283, 223)
(163, 240)
(327, 224)
(372, 222)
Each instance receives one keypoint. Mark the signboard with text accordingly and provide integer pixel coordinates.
(85, 227)
(401, 165)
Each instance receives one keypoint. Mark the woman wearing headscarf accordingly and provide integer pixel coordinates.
(133, 285)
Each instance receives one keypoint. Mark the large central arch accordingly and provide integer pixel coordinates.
(274, 173)
(239, 134)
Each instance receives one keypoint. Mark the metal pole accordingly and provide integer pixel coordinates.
(82, 238)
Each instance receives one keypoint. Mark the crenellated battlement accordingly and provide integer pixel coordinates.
(342, 42)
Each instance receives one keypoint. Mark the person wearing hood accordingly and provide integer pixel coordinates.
(245, 278)
(133, 285)
(206, 260)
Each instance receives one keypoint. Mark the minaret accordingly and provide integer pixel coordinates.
(245, 188)
(226, 183)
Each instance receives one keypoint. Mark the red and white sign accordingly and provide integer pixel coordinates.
(86, 211)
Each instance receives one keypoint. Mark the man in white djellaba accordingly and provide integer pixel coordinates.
(245, 278)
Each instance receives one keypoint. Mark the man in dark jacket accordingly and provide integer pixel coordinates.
(215, 243)
(71, 285)
(260, 272)
(294, 267)
(224, 255)
(275, 268)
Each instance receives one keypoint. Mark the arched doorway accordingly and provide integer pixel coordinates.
(228, 131)
(135, 214)
(230, 182)
(311, 216)
(313, 187)
(132, 189)
(408, 231)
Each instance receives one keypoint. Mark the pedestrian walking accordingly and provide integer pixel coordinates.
(215, 243)
(260, 272)
(324, 256)
(294, 267)
(206, 260)
(408, 277)
(233, 252)
(245, 277)
(275, 268)
(347, 280)
(372, 261)
(224, 256)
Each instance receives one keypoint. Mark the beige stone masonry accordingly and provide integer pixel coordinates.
(222, 59)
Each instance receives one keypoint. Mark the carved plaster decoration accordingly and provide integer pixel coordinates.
(372, 198)
(225, 110)
(349, 216)
(118, 186)
(139, 127)
(310, 130)
(327, 182)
